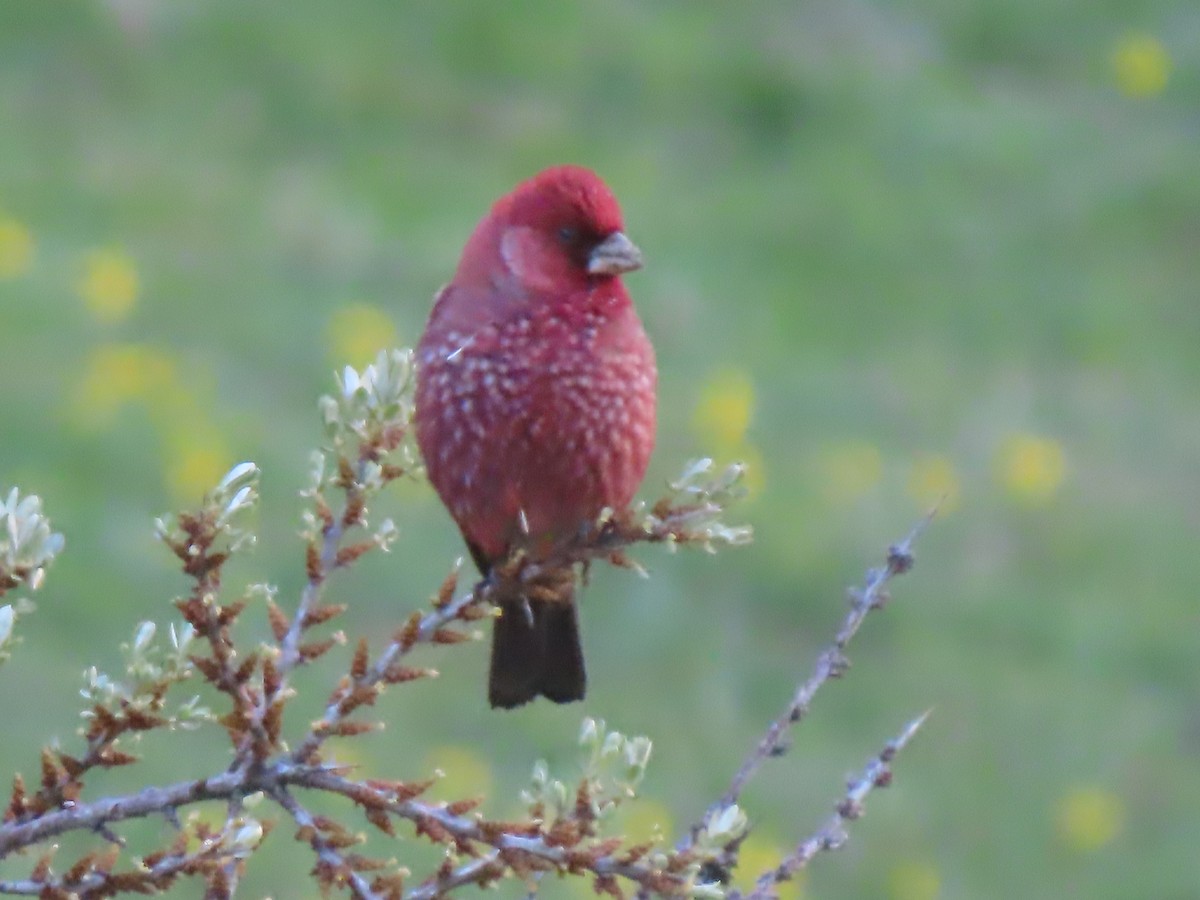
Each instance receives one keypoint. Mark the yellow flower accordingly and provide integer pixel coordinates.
(849, 471)
(119, 375)
(932, 481)
(196, 458)
(1141, 65)
(358, 332)
(109, 285)
(758, 854)
(465, 774)
(1089, 817)
(914, 880)
(116, 374)
(16, 248)
(1031, 468)
(724, 411)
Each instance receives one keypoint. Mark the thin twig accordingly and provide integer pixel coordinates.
(158, 876)
(324, 850)
(468, 873)
(832, 834)
(429, 624)
(331, 539)
(290, 655)
(831, 663)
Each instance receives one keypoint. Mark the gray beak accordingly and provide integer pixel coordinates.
(614, 255)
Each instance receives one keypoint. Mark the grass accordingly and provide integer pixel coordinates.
(915, 231)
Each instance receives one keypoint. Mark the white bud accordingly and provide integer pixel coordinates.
(52, 546)
(247, 838)
(143, 636)
(637, 752)
(244, 497)
(372, 475)
(242, 472)
(28, 508)
(386, 534)
(691, 471)
(14, 542)
(589, 733)
(612, 743)
(183, 636)
(561, 797)
(726, 824)
(7, 618)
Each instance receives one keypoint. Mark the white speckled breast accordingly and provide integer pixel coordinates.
(531, 426)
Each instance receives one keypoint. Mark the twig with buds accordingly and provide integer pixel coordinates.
(563, 829)
(832, 834)
(27, 547)
(831, 663)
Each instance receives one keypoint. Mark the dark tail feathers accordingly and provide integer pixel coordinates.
(536, 650)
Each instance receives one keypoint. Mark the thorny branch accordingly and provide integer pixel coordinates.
(367, 426)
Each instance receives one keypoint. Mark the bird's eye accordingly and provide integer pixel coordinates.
(567, 234)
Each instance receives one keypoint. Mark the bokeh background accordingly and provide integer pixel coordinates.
(896, 251)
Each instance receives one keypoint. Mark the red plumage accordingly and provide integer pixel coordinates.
(535, 404)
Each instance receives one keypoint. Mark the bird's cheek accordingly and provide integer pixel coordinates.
(532, 260)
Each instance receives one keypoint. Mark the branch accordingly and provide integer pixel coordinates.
(684, 523)
(520, 846)
(332, 866)
(368, 427)
(694, 521)
(148, 801)
(832, 835)
(832, 663)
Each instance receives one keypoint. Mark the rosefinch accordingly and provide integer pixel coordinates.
(535, 403)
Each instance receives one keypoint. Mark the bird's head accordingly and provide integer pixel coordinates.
(559, 231)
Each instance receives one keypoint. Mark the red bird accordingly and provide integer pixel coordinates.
(536, 403)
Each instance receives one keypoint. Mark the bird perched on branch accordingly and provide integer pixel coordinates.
(535, 405)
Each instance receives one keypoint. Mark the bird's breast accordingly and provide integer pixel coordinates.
(538, 423)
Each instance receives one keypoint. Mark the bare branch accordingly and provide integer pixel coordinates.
(832, 834)
(832, 663)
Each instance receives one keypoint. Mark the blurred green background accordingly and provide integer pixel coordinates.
(895, 251)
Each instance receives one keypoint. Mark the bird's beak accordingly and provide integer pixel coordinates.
(614, 255)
